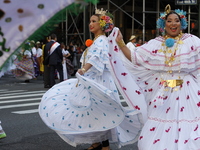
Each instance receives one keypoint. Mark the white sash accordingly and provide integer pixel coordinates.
(53, 47)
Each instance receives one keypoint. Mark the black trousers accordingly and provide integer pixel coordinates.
(53, 68)
(46, 76)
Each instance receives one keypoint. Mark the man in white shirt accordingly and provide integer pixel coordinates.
(131, 44)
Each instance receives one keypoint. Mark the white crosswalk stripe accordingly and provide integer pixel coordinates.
(25, 102)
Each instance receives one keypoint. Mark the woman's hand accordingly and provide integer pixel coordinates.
(119, 40)
(81, 71)
(119, 36)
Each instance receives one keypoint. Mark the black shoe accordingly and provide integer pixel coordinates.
(99, 147)
(27, 81)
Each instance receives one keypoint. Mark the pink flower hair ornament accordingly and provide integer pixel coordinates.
(105, 21)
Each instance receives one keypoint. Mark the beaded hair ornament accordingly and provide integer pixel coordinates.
(106, 21)
(161, 21)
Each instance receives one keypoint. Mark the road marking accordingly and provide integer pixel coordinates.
(9, 94)
(4, 90)
(21, 96)
(19, 105)
(7, 91)
(25, 111)
(21, 100)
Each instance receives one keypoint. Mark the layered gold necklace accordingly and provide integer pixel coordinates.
(169, 49)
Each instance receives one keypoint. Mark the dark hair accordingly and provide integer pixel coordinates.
(98, 15)
(172, 12)
(53, 36)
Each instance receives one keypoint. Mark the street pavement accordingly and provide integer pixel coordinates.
(20, 119)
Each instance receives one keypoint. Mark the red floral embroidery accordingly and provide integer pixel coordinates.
(155, 106)
(197, 138)
(116, 49)
(138, 92)
(188, 97)
(150, 90)
(124, 88)
(156, 141)
(136, 107)
(188, 82)
(185, 141)
(179, 129)
(115, 62)
(141, 137)
(155, 51)
(146, 83)
(168, 110)
(177, 98)
(168, 129)
(182, 109)
(198, 92)
(110, 41)
(196, 128)
(113, 34)
(164, 98)
(152, 129)
(124, 74)
(198, 104)
(176, 141)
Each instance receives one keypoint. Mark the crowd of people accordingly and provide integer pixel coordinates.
(29, 61)
(159, 80)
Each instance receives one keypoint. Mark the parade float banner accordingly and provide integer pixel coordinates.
(22, 20)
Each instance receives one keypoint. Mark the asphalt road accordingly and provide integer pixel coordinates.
(21, 121)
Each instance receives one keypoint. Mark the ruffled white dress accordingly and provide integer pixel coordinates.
(171, 114)
(87, 109)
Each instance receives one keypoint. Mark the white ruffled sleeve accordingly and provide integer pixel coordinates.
(187, 58)
(97, 54)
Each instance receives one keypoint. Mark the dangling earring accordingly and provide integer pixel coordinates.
(163, 33)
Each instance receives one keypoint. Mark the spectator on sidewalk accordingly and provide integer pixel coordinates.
(131, 44)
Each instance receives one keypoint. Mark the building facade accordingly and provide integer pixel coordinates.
(136, 17)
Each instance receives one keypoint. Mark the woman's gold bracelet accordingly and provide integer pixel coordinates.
(83, 69)
(121, 43)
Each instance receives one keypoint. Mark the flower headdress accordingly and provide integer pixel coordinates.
(106, 21)
(161, 21)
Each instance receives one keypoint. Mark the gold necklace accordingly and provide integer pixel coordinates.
(170, 53)
(169, 59)
(97, 37)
